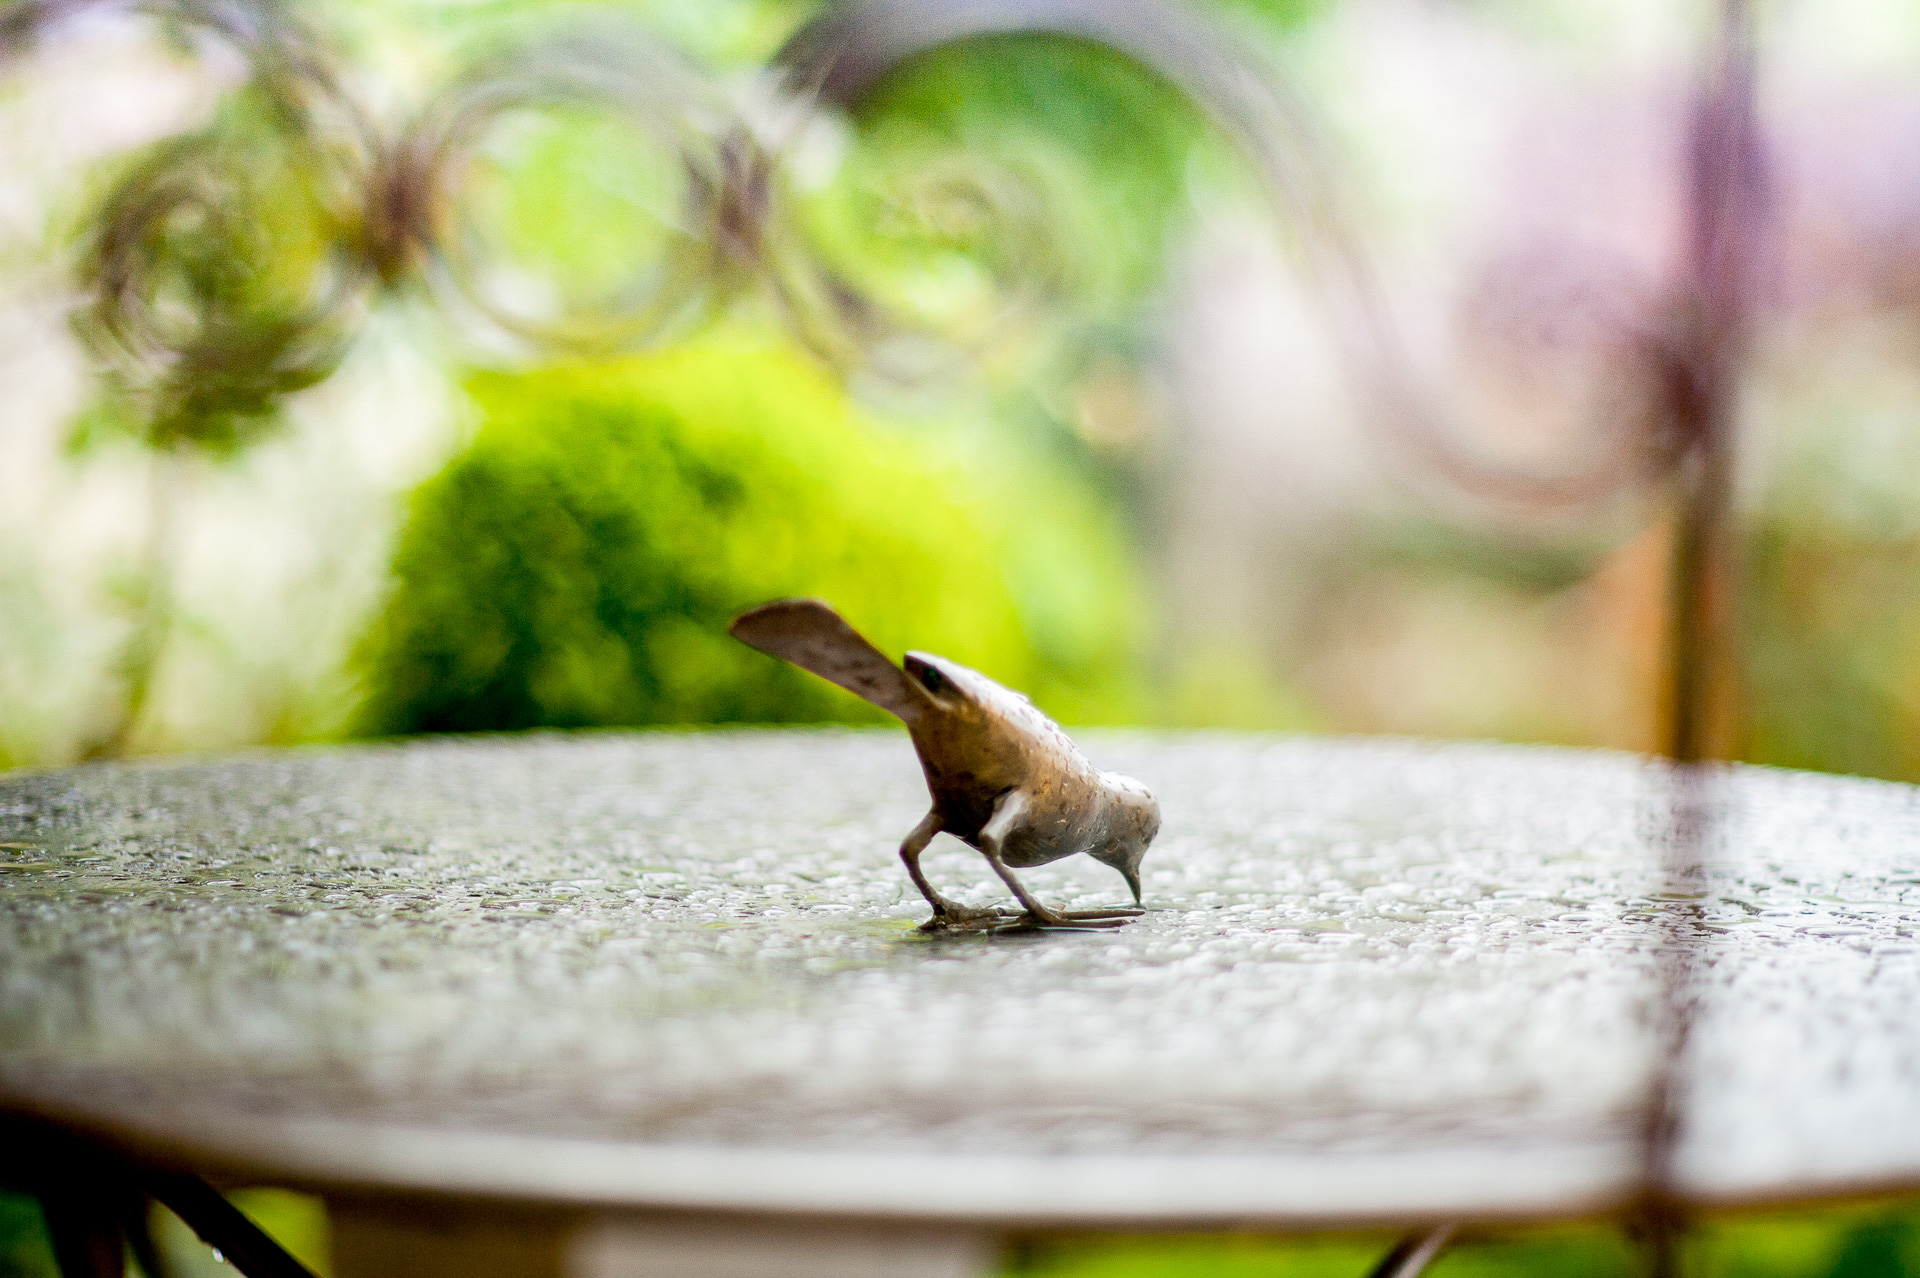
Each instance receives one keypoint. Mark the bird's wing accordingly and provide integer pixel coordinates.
(814, 637)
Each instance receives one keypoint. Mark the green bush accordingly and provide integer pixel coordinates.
(577, 564)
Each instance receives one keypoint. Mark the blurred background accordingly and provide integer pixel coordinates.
(376, 368)
(415, 367)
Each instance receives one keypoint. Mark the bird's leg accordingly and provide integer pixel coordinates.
(1007, 812)
(945, 912)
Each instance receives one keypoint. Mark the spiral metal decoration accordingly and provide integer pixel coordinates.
(224, 268)
(709, 240)
(850, 50)
(173, 270)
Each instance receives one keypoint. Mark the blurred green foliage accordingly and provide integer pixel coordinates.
(25, 1249)
(577, 564)
(582, 235)
(297, 1222)
(1831, 625)
(1011, 165)
(1830, 602)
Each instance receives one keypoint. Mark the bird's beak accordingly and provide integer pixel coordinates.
(1133, 881)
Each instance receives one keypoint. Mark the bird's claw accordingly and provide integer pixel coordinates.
(960, 918)
(949, 917)
(1071, 920)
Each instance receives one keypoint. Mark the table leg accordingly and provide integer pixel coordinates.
(95, 1202)
(222, 1226)
(1412, 1254)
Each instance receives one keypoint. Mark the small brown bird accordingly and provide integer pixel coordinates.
(1003, 777)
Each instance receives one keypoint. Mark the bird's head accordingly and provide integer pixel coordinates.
(1133, 821)
(952, 687)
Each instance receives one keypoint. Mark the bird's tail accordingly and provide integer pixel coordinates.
(815, 637)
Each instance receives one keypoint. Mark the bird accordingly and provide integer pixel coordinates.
(1003, 777)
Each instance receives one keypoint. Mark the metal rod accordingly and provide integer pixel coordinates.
(95, 1200)
(222, 1226)
(1725, 181)
(1412, 1254)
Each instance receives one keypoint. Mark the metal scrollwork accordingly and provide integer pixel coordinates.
(706, 239)
(234, 265)
(224, 268)
(849, 51)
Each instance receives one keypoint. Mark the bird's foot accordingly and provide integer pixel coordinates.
(949, 917)
(1071, 920)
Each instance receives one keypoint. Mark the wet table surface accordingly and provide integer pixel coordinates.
(1378, 980)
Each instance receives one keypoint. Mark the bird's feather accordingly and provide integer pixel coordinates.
(815, 637)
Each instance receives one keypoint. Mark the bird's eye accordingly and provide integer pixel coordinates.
(931, 678)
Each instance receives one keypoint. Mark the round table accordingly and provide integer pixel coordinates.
(627, 993)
